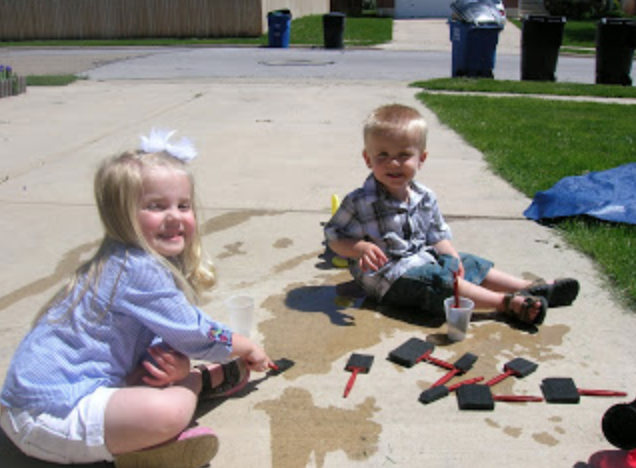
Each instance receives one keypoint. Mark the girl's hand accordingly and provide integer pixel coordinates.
(255, 358)
(171, 366)
(372, 257)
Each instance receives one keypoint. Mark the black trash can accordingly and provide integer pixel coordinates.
(333, 26)
(541, 38)
(615, 42)
(279, 28)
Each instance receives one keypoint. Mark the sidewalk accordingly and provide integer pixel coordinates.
(272, 154)
(434, 35)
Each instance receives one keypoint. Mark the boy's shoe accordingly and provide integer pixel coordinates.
(561, 292)
(194, 448)
(523, 313)
(235, 377)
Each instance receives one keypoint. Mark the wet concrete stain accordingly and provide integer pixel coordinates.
(232, 219)
(302, 432)
(310, 325)
(283, 243)
(508, 430)
(293, 262)
(232, 250)
(545, 439)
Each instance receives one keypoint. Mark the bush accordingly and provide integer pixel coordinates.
(577, 9)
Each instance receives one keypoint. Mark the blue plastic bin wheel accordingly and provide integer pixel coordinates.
(474, 49)
(541, 39)
(333, 27)
(615, 43)
(279, 28)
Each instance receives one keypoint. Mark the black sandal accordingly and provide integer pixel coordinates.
(562, 292)
(235, 377)
(523, 314)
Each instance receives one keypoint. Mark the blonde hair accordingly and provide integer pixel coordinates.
(118, 188)
(396, 119)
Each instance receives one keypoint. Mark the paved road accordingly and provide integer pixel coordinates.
(295, 63)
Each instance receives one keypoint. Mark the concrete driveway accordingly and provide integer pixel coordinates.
(272, 154)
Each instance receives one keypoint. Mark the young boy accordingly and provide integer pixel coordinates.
(398, 244)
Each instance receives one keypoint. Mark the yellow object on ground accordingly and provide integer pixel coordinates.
(335, 203)
(339, 262)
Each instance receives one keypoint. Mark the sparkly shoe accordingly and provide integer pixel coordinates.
(193, 448)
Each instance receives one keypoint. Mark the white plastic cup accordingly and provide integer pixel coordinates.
(458, 318)
(240, 309)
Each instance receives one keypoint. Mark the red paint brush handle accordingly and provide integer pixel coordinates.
(456, 288)
(424, 356)
(499, 378)
(440, 363)
(517, 398)
(446, 378)
(600, 393)
(352, 380)
(452, 388)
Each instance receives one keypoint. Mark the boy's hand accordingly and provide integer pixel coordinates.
(372, 257)
(460, 269)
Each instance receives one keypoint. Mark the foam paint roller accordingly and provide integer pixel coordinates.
(411, 352)
(480, 397)
(357, 364)
(437, 393)
(518, 367)
(461, 366)
(416, 350)
(281, 365)
(563, 390)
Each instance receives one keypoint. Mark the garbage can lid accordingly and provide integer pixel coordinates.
(476, 11)
(544, 19)
(282, 12)
(617, 21)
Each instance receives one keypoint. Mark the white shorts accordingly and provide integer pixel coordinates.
(78, 438)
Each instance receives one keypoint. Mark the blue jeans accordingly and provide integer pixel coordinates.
(425, 287)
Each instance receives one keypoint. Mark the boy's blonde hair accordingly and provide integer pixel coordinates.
(118, 189)
(396, 119)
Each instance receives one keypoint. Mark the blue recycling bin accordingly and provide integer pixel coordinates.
(279, 28)
(474, 48)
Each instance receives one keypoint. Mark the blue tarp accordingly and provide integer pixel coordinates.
(608, 195)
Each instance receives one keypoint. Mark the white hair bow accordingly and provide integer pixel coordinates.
(159, 140)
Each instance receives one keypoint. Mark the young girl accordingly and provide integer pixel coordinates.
(104, 374)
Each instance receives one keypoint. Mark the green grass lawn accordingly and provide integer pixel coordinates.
(533, 143)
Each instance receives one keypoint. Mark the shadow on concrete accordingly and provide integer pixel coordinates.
(12, 457)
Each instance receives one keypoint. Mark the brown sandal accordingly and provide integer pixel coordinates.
(235, 377)
(523, 314)
(561, 292)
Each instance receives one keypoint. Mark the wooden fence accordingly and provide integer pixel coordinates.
(122, 19)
